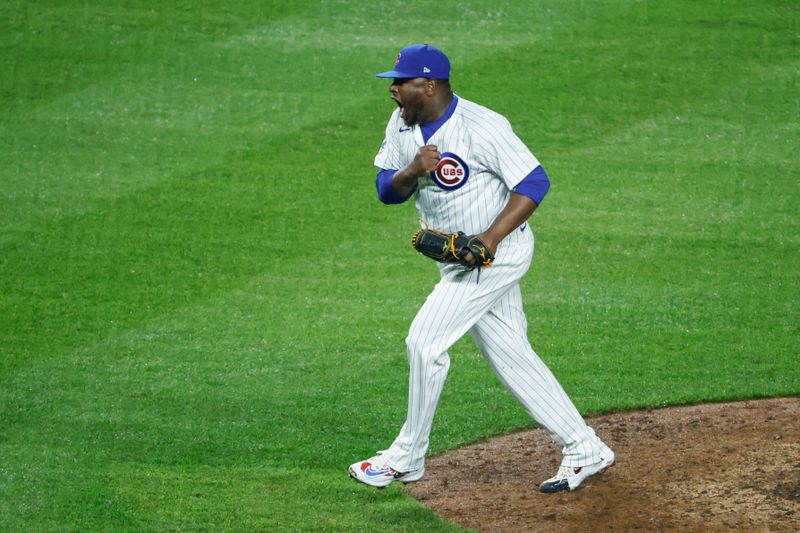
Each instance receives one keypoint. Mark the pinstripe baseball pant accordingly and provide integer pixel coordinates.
(491, 311)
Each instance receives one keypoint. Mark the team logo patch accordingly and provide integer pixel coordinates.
(451, 173)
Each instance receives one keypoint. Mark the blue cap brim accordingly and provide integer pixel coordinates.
(395, 74)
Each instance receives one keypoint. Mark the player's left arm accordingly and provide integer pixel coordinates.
(516, 212)
(525, 198)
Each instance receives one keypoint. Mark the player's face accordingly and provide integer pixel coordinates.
(410, 94)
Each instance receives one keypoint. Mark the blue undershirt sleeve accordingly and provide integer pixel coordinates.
(386, 191)
(535, 185)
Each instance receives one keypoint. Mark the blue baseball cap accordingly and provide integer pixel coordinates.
(419, 61)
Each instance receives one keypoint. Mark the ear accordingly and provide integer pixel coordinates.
(430, 86)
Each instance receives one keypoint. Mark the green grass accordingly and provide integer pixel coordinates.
(203, 305)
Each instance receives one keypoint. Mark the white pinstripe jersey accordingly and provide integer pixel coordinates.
(475, 137)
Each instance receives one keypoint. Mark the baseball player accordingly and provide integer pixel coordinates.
(468, 172)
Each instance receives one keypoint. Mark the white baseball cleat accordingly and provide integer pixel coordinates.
(570, 477)
(374, 473)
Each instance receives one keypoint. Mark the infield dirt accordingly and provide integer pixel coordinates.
(711, 467)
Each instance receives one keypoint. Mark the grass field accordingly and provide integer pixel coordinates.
(203, 304)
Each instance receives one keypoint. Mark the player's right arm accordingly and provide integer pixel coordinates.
(397, 179)
(404, 181)
(395, 186)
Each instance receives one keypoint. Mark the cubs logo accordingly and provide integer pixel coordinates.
(451, 172)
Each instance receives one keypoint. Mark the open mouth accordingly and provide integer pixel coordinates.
(400, 105)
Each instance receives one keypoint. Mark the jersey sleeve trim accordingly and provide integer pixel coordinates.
(535, 185)
(386, 191)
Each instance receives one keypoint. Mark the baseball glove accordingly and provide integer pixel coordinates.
(452, 247)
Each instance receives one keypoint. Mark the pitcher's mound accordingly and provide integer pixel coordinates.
(714, 467)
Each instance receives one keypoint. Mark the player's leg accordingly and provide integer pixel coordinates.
(441, 321)
(455, 304)
(448, 313)
(501, 335)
